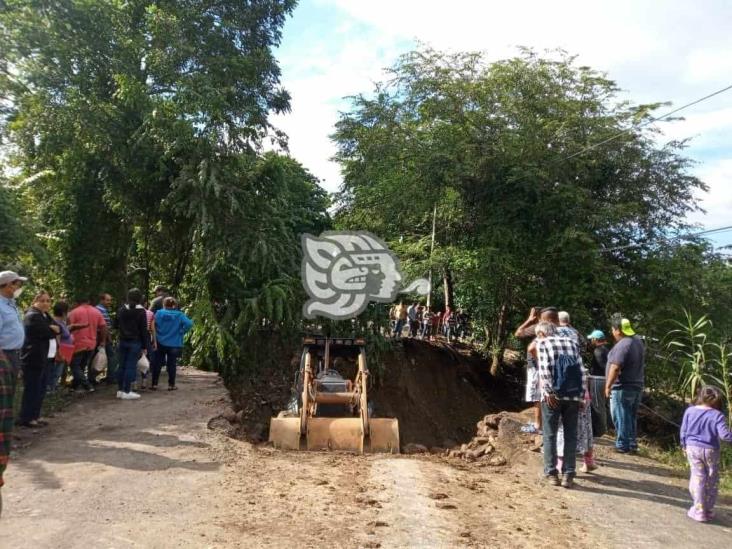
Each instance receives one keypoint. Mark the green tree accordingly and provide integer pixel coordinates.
(521, 219)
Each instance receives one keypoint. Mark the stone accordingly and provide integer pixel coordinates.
(413, 448)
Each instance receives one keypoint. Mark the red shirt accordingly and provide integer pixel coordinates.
(85, 339)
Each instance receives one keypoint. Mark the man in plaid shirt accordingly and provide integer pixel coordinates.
(554, 353)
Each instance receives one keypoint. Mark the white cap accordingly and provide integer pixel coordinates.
(8, 277)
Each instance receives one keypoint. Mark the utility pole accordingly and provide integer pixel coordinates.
(432, 248)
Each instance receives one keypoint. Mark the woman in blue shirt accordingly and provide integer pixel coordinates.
(168, 328)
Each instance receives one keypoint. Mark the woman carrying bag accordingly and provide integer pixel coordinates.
(40, 331)
(131, 323)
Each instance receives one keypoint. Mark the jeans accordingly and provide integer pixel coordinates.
(567, 412)
(80, 363)
(34, 389)
(624, 410)
(168, 357)
(129, 354)
(54, 371)
(398, 328)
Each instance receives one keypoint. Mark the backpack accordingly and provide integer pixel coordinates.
(567, 375)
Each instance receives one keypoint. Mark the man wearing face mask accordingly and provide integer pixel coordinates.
(12, 333)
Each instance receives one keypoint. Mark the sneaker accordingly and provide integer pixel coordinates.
(585, 468)
(621, 451)
(172, 388)
(568, 481)
(119, 394)
(552, 480)
(130, 396)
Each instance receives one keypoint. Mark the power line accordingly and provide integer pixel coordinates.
(718, 230)
(648, 122)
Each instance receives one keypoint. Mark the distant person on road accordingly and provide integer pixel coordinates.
(427, 324)
(40, 345)
(412, 311)
(161, 292)
(169, 327)
(401, 318)
(134, 340)
(624, 383)
(563, 384)
(702, 429)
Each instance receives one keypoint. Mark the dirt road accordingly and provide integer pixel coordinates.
(110, 473)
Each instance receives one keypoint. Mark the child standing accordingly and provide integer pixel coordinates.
(701, 430)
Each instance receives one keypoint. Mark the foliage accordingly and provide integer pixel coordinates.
(135, 130)
(687, 347)
(521, 219)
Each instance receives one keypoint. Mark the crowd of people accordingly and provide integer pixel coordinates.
(53, 345)
(420, 321)
(570, 402)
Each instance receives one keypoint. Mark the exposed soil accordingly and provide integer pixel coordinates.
(437, 392)
(149, 473)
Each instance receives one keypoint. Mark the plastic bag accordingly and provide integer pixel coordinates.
(99, 364)
(143, 365)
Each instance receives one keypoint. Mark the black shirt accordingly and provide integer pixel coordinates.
(599, 360)
(132, 325)
(38, 334)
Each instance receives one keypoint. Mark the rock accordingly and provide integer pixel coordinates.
(454, 454)
(485, 431)
(493, 420)
(412, 448)
(497, 461)
(438, 495)
(239, 416)
(464, 448)
(229, 415)
(509, 428)
(481, 440)
(436, 450)
(449, 443)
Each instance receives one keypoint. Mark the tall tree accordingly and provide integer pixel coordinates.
(522, 219)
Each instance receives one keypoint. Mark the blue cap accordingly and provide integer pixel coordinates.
(597, 334)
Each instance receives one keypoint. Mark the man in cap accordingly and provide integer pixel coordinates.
(624, 382)
(12, 337)
(12, 333)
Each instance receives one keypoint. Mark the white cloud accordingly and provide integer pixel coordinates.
(718, 201)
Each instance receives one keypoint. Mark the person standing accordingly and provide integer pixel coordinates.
(161, 292)
(565, 324)
(92, 330)
(7, 391)
(104, 305)
(12, 333)
(600, 350)
(169, 327)
(532, 390)
(134, 340)
(563, 384)
(702, 429)
(599, 412)
(624, 383)
(412, 318)
(40, 331)
(401, 319)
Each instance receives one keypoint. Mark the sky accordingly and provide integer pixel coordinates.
(669, 50)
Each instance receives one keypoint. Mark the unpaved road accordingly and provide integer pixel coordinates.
(148, 473)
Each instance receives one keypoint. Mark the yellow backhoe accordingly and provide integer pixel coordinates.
(333, 412)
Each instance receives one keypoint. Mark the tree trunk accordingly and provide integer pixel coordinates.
(447, 285)
(500, 341)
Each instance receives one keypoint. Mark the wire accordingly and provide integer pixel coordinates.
(648, 122)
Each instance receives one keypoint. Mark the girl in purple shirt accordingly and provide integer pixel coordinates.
(701, 431)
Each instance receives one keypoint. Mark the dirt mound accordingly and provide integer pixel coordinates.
(436, 391)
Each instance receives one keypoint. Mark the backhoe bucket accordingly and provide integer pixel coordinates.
(284, 432)
(343, 434)
(384, 436)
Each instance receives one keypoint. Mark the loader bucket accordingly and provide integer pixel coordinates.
(343, 434)
(284, 432)
(384, 436)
